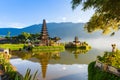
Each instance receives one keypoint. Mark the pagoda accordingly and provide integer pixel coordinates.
(76, 41)
(44, 38)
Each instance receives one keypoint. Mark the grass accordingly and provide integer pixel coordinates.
(48, 48)
(12, 46)
(96, 74)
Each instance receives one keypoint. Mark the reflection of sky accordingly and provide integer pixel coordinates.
(66, 68)
(23, 65)
(54, 72)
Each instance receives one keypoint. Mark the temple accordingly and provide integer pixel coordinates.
(44, 37)
(77, 44)
(47, 43)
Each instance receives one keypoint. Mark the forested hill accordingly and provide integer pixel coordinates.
(63, 30)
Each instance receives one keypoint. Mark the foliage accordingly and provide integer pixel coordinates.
(56, 39)
(82, 46)
(7, 67)
(8, 35)
(111, 58)
(28, 75)
(106, 16)
(5, 62)
(96, 74)
(28, 47)
(98, 22)
(34, 37)
(11, 73)
(25, 37)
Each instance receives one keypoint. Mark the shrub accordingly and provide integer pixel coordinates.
(95, 73)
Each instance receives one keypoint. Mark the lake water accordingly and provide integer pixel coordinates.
(66, 65)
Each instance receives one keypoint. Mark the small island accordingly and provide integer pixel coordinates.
(46, 43)
(77, 44)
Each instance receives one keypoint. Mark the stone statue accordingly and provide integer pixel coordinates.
(114, 47)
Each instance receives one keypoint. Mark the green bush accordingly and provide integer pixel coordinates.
(111, 58)
(11, 74)
(95, 73)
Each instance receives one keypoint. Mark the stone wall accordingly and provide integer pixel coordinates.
(107, 68)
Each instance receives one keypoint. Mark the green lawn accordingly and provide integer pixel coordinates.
(11, 46)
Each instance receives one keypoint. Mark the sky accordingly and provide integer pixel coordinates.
(23, 13)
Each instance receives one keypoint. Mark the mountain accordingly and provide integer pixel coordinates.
(67, 31)
(64, 30)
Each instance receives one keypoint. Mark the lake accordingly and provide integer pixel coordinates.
(66, 65)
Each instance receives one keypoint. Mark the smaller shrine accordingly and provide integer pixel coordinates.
(76, 41)
(77, 44)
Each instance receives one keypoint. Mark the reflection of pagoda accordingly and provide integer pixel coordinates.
(44, 34)
(44, 60)
(44, 63)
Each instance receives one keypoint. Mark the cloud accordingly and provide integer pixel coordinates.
(80, 20)
(12, 25)
(64, 19)
(16, 25)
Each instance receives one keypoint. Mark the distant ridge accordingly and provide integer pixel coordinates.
(63, 30)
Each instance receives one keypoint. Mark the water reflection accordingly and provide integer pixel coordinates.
(52, 62)
(42, 57)
(77, 52)
(44, 60)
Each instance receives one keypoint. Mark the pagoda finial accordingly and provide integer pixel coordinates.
(44, 22)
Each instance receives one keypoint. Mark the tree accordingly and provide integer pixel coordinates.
(106, 16)
(26, 35)
(22, 37)
(34, 37)
(56, 39)
(8, 35)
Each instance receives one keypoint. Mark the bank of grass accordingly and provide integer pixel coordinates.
(111, 58)
(48, 48)
(10, 72)
(12, 46)
(97, 74)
